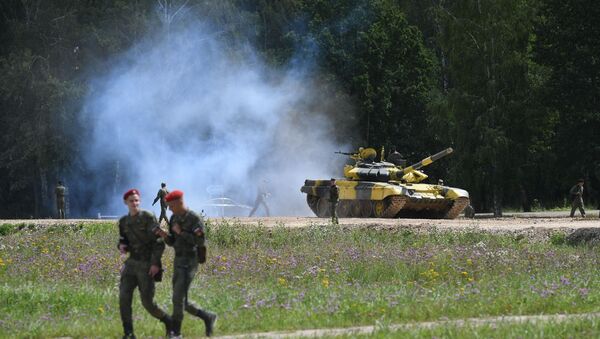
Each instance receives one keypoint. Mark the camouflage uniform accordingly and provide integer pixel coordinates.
(145, 249)
(186, 246)
(334, 196)
(396, 159)
(576, 193)
(60, 200)
(261, 198)
(162, 193)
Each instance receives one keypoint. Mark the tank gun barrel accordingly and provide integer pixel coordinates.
(427, 160)
(343, 153)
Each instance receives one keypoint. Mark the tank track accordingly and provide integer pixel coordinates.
(394, 206)
(459, 205)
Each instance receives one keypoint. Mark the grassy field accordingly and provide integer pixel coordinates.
(63, 281)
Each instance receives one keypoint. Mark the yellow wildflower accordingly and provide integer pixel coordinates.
(281, 281)
(325, 282)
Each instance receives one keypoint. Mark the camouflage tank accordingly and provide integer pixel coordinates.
(384, 190)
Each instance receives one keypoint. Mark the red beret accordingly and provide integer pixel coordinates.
(176, 194)
(130, 192)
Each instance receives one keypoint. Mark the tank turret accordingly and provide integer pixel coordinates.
(385, 171)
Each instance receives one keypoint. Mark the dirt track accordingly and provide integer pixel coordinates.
(543, 222)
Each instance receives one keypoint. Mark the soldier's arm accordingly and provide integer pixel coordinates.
(122, 237)
(156, 199)
(190, 236)
(158, 246)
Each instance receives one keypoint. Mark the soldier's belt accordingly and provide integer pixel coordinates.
(140, 257)
(188, 254)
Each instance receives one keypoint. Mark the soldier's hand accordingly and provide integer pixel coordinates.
(153, 270)
(122, 248)
(198, 232)
(159, 231)
(176, 228)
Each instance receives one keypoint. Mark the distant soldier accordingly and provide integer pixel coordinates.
(187, 236)
(261, 198)
(440, 182)
(162, 193)
(137, 236)
(60, 199)
(576, 193)
(469, 212)
(334, 197)
(396, 158)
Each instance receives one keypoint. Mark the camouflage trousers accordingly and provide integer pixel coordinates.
(259, 201)
(135, 274)
(60, 207)
(184, 270)
(163, 214)
(334, 216)
(577, 203)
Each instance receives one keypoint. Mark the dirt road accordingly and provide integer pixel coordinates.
(547, 221)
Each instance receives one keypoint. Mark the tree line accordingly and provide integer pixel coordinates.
(512, 85)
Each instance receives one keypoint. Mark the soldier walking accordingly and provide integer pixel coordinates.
(186, 235)
(334, 196)
(576, 193)
(261, 198)
(143, 266)
(162, 193)
(60, 199)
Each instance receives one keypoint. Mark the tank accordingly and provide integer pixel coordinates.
(380, 189)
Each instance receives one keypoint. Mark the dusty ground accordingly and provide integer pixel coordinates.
(518, 222)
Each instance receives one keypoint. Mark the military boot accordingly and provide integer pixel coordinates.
(168, 324)
(128, 330)
(210, 319)
(175, 329)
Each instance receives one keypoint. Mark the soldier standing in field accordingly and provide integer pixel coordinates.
(261, 198)
(143, 266)
(186, 235)
(576, 193)
(162, 193)
(334, 196)
(60, 199)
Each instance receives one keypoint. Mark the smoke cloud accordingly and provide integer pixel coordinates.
(211, 120)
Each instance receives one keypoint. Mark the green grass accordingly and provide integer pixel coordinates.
(63, 280)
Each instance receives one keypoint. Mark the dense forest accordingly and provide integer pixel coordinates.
(512, 85)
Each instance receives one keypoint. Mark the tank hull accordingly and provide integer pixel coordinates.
(370, 199)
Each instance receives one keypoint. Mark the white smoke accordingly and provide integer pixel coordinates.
(187, 111)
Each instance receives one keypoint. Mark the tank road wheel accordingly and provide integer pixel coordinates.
(343, 209)
(323, 208)
(365, 208)
(457, 207)
(354, 208)
(378, 208)
(312, 202)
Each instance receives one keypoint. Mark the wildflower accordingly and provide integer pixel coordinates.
(465, 274)
(469, 262)
(325, 282)
(101, 310)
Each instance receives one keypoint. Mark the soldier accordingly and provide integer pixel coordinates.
(261, 198)
(136, 230)
(396, 158)
(469, 212)
(162, 193)
(60, 199)
(576, 193)
(334, 196)
(186, 236)
(440, 182)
